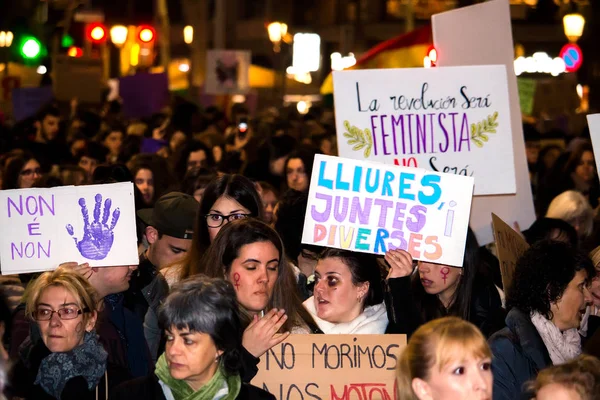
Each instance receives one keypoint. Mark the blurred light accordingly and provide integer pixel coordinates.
(303, 106)
(67, 40)
(531, 3)
(9, 38)
(431, 58)
(339, 63)
(427, 62)
(118, 35)
(184, 67)
(134, 56)
(540, 63)
(42, 69)
(188, 34)
(277, 31)
(579, 91)
(75, 52)
(306, 52)
(144, 52)
(31, 48)
(2, 39)
(573, 25)
(146, 34)
(238, 98)
(96, 33)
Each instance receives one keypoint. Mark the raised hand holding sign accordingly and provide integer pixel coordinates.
(97, 237)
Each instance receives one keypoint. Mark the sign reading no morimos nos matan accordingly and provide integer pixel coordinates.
(450, 119)
(373, 207)
(42, 228)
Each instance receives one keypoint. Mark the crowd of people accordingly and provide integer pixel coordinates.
(223, 275)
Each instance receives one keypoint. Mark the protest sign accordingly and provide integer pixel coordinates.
(78, 77)
(27, 101)
(227, 72)
(372, 208)
(453, 120)
(594, 125)
(42, 228)
(331, 367)
(485, 37)
(144, 94)
(510, 246)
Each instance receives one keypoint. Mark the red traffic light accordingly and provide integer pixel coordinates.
(75, 52)
(146, 34)
(431, 58)
(96, 33)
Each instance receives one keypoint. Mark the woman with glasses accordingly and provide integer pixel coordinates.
(68, 362)
(21, 172)
(225, 199)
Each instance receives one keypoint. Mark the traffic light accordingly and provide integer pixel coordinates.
(431, 58)
(75, 52)
(30, 48)
(96, 33)
(146, 34)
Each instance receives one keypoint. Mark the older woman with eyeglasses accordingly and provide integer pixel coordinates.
(68, 362)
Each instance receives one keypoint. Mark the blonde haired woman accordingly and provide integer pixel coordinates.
(572, 207)
(447, 358)
(68, 362)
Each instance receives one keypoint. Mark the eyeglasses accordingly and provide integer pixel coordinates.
(216, 220)
(45, 314)
(27, 172)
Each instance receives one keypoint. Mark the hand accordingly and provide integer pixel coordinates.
(82, 269)
(97, 237)
(400, 262)
(262, 334)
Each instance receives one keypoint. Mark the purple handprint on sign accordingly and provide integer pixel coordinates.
(97, 237)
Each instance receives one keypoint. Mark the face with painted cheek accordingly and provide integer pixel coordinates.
(337, 299)
(439, 279)
(253, 275)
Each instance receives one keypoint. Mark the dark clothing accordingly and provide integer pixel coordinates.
(148, 388)
(147, 290)
(117, 327)
(591, 346)
(249, 366)
(405, 317)
(518, 355)
(23, 375)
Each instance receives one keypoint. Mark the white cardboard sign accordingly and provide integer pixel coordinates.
(372, 208)
(42, 228)
(480, 35)
(452, 120)
(594, 125)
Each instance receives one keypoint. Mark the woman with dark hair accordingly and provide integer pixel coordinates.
(575, 170)
(551, 229)
(151, 175)
(21, 172)
(298, 168)
(203, 352)
(112, 138)
(249, 254)
(348, 294)
(439, 290)
(547, 301)
(194, 155)
(227, 198)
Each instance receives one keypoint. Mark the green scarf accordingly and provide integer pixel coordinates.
(182, 391)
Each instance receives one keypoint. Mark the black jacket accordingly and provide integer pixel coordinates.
(148, 388)
(24, 372)
(405, 317)
(518, 355)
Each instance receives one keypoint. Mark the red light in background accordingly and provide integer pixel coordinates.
(96, 33)
(75, 52)
(146, 34)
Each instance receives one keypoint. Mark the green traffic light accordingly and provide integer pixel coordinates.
(31, 48)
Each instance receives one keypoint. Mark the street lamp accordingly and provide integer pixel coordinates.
(573, 25)
(188, 34)
(6, 38)
(277, 31)
(118, 35)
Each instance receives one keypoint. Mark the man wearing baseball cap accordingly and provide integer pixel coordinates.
(169, 231)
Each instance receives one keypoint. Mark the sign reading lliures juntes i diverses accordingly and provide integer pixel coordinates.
(451, 119)
(372, 208)
(42, 228)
